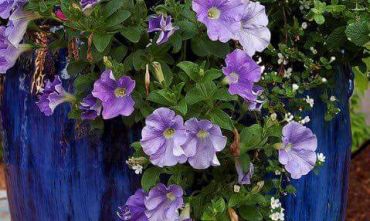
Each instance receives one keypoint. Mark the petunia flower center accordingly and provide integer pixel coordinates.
(202, 134)
(214, 13)
(233, 78)
(120, 92)
(171, 196)
(169, 133)
(288, 147)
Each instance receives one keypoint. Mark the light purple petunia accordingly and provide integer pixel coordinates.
(88, 4)
(8, 53)
(242, 72)
(114, 94)
(52, 95)
(221, 17)
(91, 108)
(134, 209)
(244, 178)
(298, 151)
(256, 105)
(163, 203)
(204, 141)
(7, 6)
(162, 137)
(254, 34)
(163, 25)
(17, 25)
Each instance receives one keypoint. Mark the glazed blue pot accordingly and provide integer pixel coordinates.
(56, 171)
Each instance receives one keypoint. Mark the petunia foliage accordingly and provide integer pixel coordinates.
(219, 88)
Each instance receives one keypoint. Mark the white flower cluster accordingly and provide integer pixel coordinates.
(282, 59)
(136, 164)
(310, 101)
(288, 117)
(277, 212)
(305, 120)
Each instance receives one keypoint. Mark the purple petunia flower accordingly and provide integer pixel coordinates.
(7, 6)
(114, 94)
(204, 140)
(254, 34)
(256, 105)
(8, 53)
(17, 25)
(163, 25)
(242, 72)
(91, 108)
(244, 178)
(298, 151)
(162, 137)
(88, 4)
(222, 17)
(134, 209)
(52, 95)
(162, 203)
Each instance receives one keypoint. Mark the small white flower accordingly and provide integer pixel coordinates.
(321, 157)
(324, 80)
(282, 59)
(313, 50)
(333, 98)
(273, 116)
(310, 101)
(138, 169)
(332, 59)
(277, 172)
(259, 61)
(275, 216)
(288, 72)
(281, 215)
(304, 25)
(295, 87)
(288, 117)
(236, 188)
(305, 120)
(275, 203)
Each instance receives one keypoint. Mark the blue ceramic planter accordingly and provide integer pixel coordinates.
(57, 172)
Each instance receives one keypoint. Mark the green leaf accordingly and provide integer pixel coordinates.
(118, 17)
(163, 97)
(219, 205)
(111, 7)
(194, 96)
(223, 95)
(250, 213)
(101, 41)
(222, 119)
(251, 136)
(182, 107)
(235, 200)
(191, 69)
(150, 178)
(132, 33)
(358, 33)
(211, 75)
(319, 19)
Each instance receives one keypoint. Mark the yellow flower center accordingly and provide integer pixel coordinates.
(171, 196)
(120, 92)
(214, 13)
(202, 134)
(169, 133)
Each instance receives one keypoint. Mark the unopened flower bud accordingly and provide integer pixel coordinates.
(158, 72)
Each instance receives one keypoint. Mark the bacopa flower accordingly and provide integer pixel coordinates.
(114, 94)
(163, 203)
(163, 136)
(91, 108)
(242, 72)
(221, 17)
(52, 95)
(244, 178)
(17, 25)
(204, 141)
(298, 150)
(88, 4)
(254, 34)
(163, 25)
(8, 53)
(134, 209)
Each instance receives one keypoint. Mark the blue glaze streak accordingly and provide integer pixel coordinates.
(323, 197)
(51, 173)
